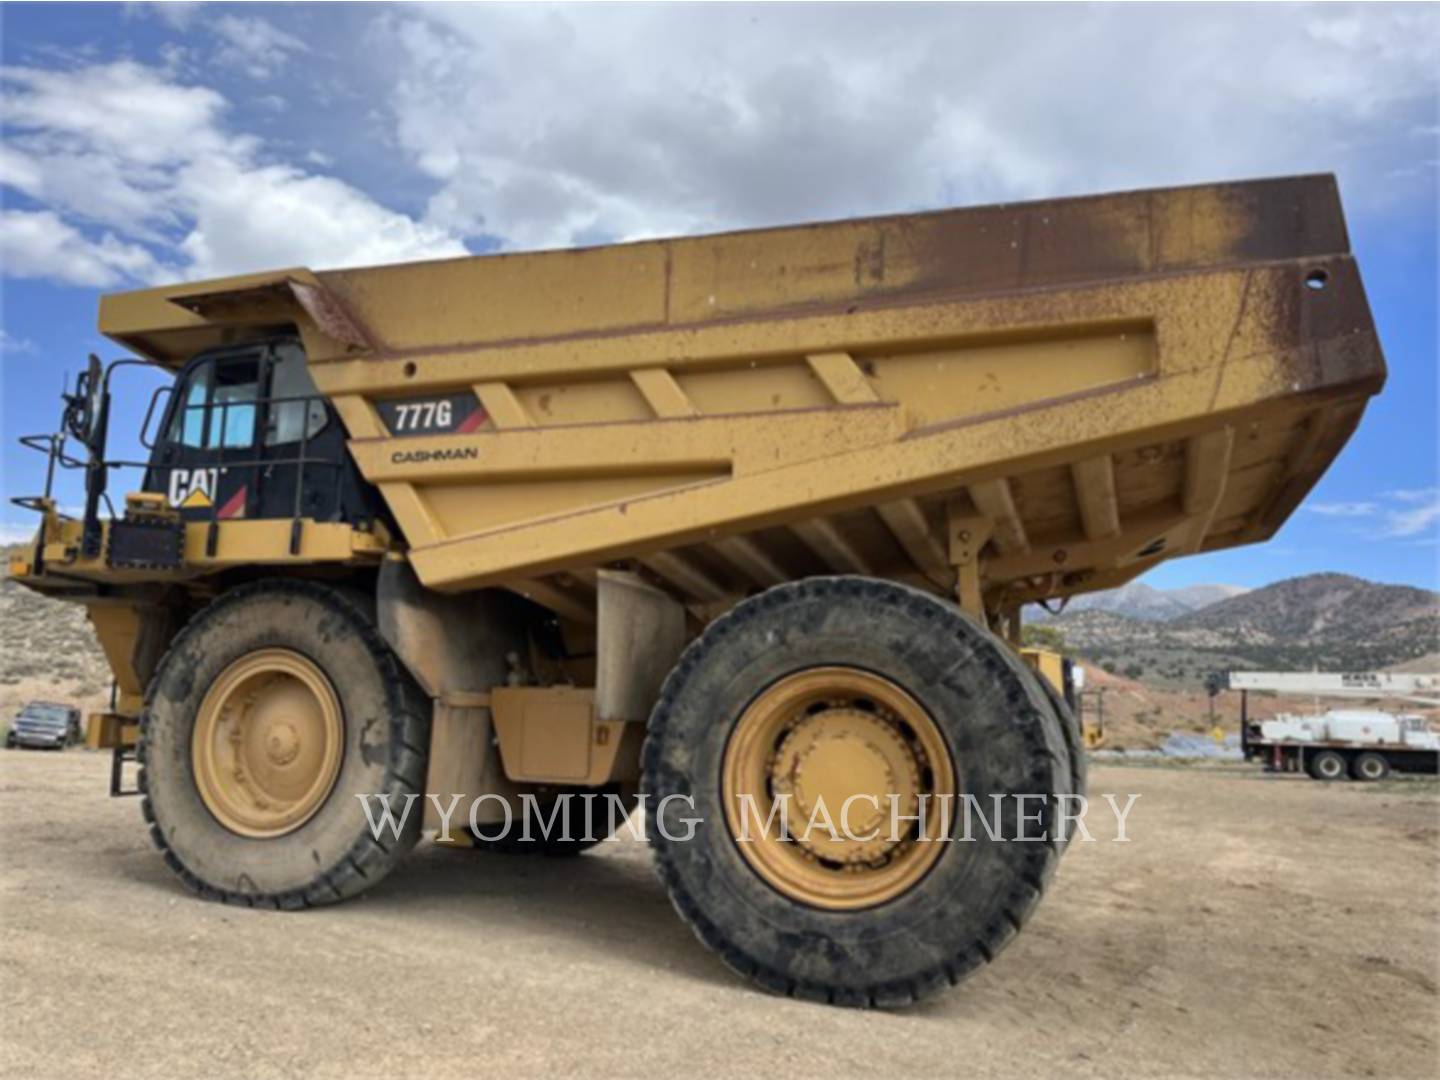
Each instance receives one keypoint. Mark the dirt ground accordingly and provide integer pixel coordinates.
(1255, 926)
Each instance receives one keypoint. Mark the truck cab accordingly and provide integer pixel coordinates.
(245, 434)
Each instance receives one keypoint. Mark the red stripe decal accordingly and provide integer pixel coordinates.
(471, 422)
(234, 506)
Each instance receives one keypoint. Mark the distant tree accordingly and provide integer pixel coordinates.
(1043, 637)
(1215, 682)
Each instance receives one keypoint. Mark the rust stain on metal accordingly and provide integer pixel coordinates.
(331, 316)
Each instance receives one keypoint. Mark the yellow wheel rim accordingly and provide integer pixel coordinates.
(267, 743)
(822, 737)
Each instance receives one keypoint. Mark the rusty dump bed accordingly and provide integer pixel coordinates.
(1052, 396)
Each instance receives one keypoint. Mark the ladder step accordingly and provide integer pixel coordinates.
(118, 757)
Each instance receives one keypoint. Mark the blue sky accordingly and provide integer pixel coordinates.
(150, 143)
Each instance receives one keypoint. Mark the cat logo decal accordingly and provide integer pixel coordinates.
(193, 489)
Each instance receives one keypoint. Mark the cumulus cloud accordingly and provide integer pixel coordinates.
(140, 180)
(551, 126)
(255, 46)
(39, 244)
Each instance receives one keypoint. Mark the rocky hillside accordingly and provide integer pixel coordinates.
(1326, 621)
(47, 652)
(1138, 600)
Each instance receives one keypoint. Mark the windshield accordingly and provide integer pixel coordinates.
(54, 714)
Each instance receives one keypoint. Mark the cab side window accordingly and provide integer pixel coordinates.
(232, 417)
(188, 427)
(290, 418)
(218, 405)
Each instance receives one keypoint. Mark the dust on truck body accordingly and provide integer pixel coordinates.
(743, 521)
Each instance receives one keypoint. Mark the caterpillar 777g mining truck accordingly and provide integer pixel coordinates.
(736, 521)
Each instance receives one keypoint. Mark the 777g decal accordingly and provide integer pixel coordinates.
(435, 414)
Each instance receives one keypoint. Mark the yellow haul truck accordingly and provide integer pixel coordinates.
(737, 521)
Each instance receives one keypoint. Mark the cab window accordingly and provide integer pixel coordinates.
(290, 418)
(188, 428)
(218, 405)
(232, 418)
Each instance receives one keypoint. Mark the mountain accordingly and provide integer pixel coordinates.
(1196, 597)
(1327, 621)
(1140, 601)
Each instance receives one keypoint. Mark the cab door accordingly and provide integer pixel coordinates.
(305, 467)
(205, 461)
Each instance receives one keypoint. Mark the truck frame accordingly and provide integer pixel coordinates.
(734, 520)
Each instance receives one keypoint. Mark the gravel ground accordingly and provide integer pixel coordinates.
(1255, 926)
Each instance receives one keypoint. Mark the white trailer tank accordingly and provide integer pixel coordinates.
(1361, 727)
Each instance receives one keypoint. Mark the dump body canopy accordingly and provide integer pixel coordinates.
(1058, 393)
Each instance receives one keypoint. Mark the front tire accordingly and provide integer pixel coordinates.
(273, 709)
(844, 685)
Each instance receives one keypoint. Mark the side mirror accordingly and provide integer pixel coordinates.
(94, 387)
(82, 408)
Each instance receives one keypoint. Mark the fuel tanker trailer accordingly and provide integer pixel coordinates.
(742, 523)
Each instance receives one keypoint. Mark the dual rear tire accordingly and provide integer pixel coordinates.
(1330, 765)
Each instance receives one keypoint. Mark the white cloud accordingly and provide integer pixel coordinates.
(545, 125)
(10, 345)
(1343, 509)
(1418, 511)
(1413, 495)
(178, 14)
(141, 181)
(1417, 519)
(39, 244)
(276, 215)
(254, 46)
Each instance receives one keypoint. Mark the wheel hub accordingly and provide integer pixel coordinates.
(841, 747)
(267, 743)
(843, 766)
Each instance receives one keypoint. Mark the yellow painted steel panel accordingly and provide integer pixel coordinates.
(1104, 381)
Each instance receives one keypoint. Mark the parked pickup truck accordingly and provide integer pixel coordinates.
(44, 724)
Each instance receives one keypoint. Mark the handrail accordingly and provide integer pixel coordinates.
(54, 447)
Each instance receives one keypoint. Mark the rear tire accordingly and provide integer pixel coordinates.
(374, 743)
(1327, 766)
(1370, 767)
(1001, 734)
